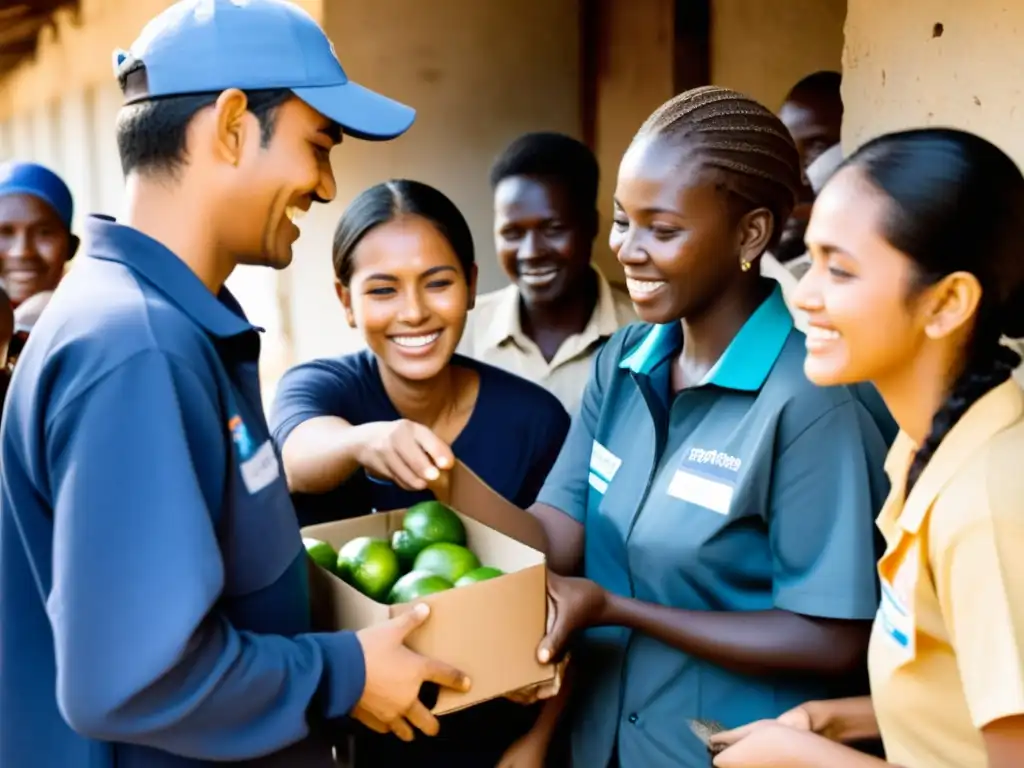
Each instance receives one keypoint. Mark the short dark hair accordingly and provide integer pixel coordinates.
(386, 202)
(151, 134)
(553, 156)
(955, 202)
(824, 86)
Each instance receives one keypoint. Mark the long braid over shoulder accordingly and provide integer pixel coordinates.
(988, 364)
(954, 205)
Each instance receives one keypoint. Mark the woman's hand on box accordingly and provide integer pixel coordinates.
(405, 452)
(531, 694)
(574, 604)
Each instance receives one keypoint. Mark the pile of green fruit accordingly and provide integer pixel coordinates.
(427, 555)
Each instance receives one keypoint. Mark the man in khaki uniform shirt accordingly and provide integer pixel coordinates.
(559, 310)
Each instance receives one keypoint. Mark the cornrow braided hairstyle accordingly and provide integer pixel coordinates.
(742, 140)
(954, 205)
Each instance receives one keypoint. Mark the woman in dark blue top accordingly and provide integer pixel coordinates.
(368, 431)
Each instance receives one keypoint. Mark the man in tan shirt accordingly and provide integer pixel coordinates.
(559, 310)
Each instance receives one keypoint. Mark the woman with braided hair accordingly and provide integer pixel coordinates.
(710, 516)
(917, 272)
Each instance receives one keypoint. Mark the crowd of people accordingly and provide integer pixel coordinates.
(805, 344)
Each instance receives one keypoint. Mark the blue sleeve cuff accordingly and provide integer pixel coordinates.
(840, 604)
(344, 675)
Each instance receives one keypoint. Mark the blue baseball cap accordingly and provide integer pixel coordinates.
(39, 182)
(203, 46)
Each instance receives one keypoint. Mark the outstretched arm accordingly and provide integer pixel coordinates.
(754, 642)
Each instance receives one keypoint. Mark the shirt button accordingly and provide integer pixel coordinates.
(633, 718)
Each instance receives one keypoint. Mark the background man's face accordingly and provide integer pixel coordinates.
(34, 246)
(542, 239)
(814, 127)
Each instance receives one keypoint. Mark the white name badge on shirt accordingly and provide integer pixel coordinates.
(896, 609)
(603, 466)
(702, 491)
(261, 470)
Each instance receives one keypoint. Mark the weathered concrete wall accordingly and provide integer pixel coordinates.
(935, 62)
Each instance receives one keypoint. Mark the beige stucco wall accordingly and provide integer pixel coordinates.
(763, 47)
(633, 80)
(898, 74)
(479, 74)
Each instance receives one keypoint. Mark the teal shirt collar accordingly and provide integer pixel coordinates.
(747, 360)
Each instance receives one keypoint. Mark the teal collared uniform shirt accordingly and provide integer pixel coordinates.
(754, 490)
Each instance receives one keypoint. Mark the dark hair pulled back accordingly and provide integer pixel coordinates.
(955, 204)
(386, 202)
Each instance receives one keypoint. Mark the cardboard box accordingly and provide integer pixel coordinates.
(489, 630)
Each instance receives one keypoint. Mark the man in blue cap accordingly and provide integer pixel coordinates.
(153, 584)
(36, 242)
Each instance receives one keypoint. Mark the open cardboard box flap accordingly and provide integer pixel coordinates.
(489, 630)
(461, 489)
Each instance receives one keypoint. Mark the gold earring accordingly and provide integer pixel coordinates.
(744, 266)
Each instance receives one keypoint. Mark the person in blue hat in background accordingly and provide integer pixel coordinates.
(36, 242)
(154, 602)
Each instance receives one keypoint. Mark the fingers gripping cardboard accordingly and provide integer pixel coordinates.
(489, 630)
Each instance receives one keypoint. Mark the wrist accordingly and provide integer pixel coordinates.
(343, 674)
(543, 731)
(842, 720)
(609, 610)
(359, 440)
(550, 713)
